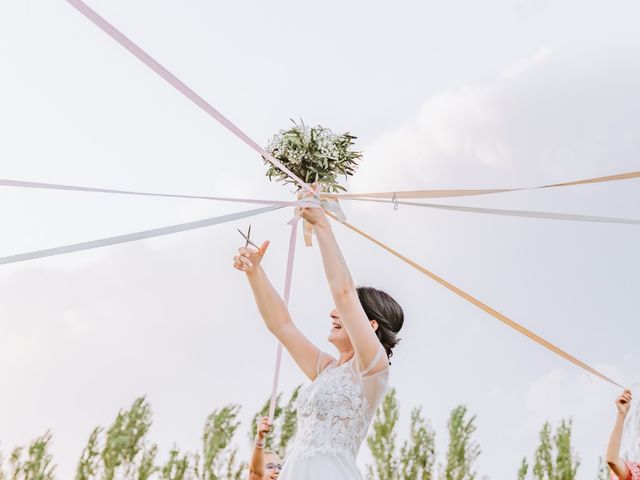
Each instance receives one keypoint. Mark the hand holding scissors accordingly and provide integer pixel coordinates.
(248, 259)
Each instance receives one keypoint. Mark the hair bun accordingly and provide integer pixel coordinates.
(381, 307)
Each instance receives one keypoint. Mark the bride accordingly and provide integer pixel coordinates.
(335, 410)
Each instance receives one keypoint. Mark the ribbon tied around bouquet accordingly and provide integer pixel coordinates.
(328, 204)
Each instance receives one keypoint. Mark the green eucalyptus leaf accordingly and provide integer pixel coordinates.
(314, 154)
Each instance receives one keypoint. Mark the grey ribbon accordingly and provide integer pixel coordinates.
(132, 237)
(512, 213)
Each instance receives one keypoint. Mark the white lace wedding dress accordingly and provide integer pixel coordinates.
(334, 413)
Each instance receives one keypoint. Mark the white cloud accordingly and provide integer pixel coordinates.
(545, 117)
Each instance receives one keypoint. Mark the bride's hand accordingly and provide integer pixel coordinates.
(249, 258)
(315, 216)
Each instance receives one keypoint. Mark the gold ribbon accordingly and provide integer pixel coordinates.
(483, 306)
(330, 205)
(472, 192)
(307, 230)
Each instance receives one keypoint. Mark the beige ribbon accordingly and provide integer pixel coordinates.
(408, 194)
(329, 204)
(572, 217)
(494, 313)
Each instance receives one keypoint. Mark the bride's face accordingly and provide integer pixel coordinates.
(338, 335)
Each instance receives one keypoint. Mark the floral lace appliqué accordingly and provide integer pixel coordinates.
(333, 415)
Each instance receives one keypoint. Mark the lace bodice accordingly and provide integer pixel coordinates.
(335, 410)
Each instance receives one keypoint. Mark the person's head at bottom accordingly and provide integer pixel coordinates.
(272, 465)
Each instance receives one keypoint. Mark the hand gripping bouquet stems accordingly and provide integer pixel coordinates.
(317, 156)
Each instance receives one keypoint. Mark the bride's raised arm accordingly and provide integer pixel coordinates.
(274, 312)
(361, 330)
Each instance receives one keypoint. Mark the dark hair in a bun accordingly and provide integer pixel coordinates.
(381, 307)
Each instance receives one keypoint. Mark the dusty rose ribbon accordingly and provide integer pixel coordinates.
(73, 188)
(286, 294)
(169, 77)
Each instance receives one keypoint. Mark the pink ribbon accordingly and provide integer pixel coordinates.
(224, 121)
(287, 291)
(74, 188)
(169, 77)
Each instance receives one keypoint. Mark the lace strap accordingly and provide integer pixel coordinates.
(374, 362)
(319, 368)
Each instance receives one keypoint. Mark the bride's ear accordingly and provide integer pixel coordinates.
(374, 324)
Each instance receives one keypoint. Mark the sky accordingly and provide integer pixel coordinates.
(440, 94)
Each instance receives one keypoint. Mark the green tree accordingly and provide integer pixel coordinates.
(177, 466)
(125, 449)
(121, 451)
(147, 467)
(382, 440)
(32, 463)
(463, 451)
(218, 459)
(543, 467)
(567, 463)
(89, 464)
(417, 455)
(416, 458)
(524, 469)
(554, 457)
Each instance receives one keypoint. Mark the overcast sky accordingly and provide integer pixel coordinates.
(441, 95)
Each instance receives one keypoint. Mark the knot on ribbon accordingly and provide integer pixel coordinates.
(327, 203)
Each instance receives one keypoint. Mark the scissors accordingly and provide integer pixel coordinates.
(248, 240)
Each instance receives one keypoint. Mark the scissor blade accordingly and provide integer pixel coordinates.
(247, 239)
(243, 235)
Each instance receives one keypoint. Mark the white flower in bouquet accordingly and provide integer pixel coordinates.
(315, 154)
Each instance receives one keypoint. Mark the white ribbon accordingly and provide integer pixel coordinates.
(74, 188)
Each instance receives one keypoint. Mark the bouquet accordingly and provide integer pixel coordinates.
(315, 154)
